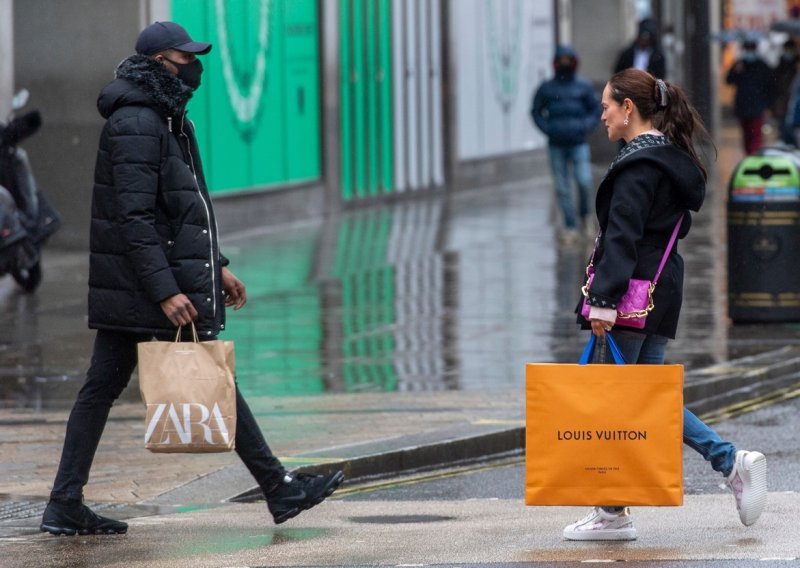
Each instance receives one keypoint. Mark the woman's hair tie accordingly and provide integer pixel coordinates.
(661, 96)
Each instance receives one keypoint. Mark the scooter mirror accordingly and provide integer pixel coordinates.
(20, 99)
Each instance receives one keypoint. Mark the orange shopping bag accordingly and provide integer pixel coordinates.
(604, 434)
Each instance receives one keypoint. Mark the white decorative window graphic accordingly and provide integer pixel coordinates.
(245, 99)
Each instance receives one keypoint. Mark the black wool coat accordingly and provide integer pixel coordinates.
(153, 232)
(648, 187)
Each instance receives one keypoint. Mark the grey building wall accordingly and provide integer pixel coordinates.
(599, 32)
(6, 56)
(65, 52)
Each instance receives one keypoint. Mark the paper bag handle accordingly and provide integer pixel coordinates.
(616, 354)
(194, 334)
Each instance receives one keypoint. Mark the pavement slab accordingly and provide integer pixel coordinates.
(360, 533)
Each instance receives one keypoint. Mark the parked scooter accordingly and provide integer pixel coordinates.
(27, 219)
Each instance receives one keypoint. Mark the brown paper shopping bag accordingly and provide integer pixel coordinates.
(190, 394)
(604, 434)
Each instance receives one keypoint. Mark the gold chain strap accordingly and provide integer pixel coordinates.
(641, 313)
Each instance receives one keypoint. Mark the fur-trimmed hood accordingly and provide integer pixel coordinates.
(142, 81)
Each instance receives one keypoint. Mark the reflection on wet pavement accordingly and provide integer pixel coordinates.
(427, 295)
(447, 292)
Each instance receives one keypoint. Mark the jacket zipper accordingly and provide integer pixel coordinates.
(208, 216)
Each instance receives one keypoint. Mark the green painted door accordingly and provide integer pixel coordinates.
(366, 98)
(257, 112)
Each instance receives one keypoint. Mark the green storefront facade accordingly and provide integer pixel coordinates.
(365, 37)
(257, 117)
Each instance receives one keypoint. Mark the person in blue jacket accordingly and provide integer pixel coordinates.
(567, 109)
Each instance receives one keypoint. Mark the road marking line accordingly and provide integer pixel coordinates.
(739, 408)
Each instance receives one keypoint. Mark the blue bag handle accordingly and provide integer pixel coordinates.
(613, 347)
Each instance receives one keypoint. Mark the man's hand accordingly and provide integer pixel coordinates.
(179, 310)
(234, 290)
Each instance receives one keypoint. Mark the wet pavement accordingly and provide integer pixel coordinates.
(459, 517)
(401, 326)
(449, 292)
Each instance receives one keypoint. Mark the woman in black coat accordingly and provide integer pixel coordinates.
(652, 185)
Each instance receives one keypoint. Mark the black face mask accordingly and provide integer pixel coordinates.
(189, 73)
(564, 71)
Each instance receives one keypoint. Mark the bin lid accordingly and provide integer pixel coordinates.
(771, 175)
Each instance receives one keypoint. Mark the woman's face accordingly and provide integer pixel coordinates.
(613, 116)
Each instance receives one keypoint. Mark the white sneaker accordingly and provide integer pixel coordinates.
(748, 481)
(601, 525)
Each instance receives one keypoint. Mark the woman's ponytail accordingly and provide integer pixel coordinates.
(680, 122)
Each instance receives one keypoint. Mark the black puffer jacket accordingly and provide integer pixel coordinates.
(646, 190)
(153, 233)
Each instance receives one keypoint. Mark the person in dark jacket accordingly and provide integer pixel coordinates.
(652, 185)
(645, 52)
(785, 73)
(566, 109)
(755, 93)
(154, 266)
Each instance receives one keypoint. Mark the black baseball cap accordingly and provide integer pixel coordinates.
(168, 35)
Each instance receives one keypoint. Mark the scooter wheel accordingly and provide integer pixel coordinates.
(28, 278)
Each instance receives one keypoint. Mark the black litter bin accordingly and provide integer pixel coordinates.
(764, 238)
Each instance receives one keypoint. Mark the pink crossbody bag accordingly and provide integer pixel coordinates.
(637, 302)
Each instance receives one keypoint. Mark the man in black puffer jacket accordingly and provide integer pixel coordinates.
(155, 265)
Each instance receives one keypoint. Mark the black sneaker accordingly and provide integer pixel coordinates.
(299, 492)
(77, 518)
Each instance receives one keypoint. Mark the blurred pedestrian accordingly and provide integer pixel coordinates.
(791, 122)
(673, 47)
(566, 109)
(645, 52)
(785, 73)
(650, 188)
(155, 265)
(755, 93)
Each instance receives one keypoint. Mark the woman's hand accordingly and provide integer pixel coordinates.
(600, 327)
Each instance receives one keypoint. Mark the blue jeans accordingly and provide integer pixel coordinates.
(649, 350)
(560, 157)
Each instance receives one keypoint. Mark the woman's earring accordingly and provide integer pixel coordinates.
(625, 122)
